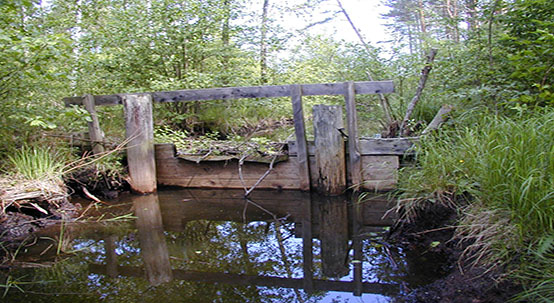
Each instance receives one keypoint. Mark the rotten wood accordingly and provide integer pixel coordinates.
(329, 147)
(140, 148)
(421, 85)
(95, 133)
(229, 93)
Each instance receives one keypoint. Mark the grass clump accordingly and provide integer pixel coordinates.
(36, 163)
(507, 166)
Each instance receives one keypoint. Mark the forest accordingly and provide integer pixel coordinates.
(492, 161)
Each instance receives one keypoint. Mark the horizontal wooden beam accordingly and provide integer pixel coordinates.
(229, 93)
(370, 146)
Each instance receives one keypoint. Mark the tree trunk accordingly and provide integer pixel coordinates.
(263, 46)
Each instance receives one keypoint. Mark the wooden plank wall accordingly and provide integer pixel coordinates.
(379, 172)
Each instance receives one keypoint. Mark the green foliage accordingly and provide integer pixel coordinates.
(37, 163)
(507, 165)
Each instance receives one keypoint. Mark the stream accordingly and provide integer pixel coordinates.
(188, 245)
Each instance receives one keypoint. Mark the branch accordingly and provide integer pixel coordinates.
(439, 118)
(422, 80)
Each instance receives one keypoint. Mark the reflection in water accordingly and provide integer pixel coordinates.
(152, 239)
(218, 246)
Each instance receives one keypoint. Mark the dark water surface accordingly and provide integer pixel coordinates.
(216, 246)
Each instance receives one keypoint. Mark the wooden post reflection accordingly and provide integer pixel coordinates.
(357, 244)
(307, 250)
(333, 233)
(152, 240)
(111, 256)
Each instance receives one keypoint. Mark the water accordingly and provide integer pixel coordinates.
(216, 246)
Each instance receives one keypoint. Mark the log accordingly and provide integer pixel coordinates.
(140, 149)
(329, 148)
(95, 133)
(229, 93)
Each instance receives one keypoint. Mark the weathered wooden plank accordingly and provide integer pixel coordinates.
(353, 145)
(370, 146)
(379, 172)
(387, 146)
(183, 173)
(229, 93)
(140, 149)
(300, 132)
(95, 133)
(329, 143)
(164, 151)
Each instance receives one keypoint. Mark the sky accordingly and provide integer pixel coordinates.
(365, 15)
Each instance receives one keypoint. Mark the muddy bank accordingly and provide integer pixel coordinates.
(432, 234)
(29, 206)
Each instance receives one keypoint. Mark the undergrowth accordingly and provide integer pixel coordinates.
(507, 166)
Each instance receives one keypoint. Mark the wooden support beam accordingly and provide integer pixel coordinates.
(229, 93)
(95, 133)
(140, 149)
(329, 148)
(353, 140)
(300, 132)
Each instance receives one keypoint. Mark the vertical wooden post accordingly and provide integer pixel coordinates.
(300, 132)
(140, 149)
(329, 150)
(95, 133)
(153, 246)
(354, 157)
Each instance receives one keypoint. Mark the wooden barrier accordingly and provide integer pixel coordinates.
(379, 170)
(330, 168)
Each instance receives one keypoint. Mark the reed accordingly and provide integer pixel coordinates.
(507, 166)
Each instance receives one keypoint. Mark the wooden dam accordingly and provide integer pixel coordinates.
(336, 160)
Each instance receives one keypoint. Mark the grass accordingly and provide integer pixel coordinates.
(507, 166)
(36, 163)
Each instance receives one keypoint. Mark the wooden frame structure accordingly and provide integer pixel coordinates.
(139, 129)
